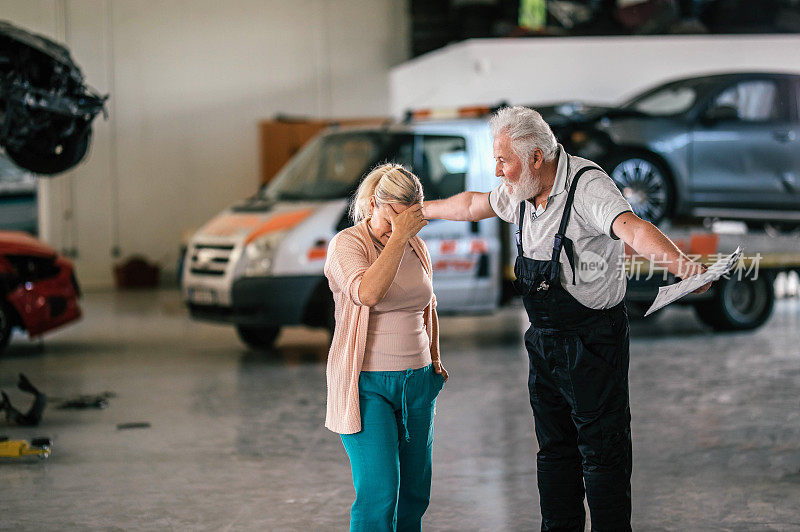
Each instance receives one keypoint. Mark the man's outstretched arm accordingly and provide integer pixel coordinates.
(466, 206)
(646, 240)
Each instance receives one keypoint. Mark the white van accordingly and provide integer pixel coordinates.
(258, 264)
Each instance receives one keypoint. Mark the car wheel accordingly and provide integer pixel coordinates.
(258, 338)
(6, 326)
(70, 153)
(645, 184)
(738, 304)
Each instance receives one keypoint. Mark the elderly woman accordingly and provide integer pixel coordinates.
(384, 371)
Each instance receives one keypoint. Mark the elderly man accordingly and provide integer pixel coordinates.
(572, 222)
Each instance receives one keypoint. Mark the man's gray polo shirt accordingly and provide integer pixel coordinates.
(599, 254)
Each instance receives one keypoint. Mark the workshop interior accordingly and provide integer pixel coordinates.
(177, 179)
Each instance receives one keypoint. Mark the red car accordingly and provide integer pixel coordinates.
(38, 287)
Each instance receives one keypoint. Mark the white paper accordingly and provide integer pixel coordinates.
(671, 293)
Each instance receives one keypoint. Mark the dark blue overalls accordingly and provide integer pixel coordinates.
(578, 384)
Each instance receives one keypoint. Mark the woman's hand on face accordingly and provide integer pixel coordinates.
(438, 368)
(408, 223)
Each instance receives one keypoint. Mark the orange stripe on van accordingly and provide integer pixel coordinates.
(448, 247)
(478, 247)
(280, 222)
(228, 225)
(317, 253)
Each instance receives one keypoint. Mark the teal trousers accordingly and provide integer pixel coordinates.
(391, 456)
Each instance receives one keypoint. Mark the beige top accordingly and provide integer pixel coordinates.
(350, 254)
(396, 335)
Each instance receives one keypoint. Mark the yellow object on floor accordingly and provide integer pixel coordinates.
(22, 448)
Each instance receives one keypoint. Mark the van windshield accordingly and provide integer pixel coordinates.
(330, 166)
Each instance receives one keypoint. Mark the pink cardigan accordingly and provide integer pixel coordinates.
(350, 254)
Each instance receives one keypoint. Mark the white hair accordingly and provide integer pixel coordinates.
(389, 183)
(527, 130)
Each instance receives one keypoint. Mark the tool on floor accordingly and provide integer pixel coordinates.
(34, 414)
(134, 425)
(39, 447)
(98, 401)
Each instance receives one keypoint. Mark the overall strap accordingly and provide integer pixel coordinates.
(560, 241)
(519, 228)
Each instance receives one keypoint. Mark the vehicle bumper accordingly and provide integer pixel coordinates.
(46, 304)
(262, 301)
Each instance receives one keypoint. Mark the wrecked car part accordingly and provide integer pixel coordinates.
(34, 415)
(46, 108)
(134, 425)
(98, 401)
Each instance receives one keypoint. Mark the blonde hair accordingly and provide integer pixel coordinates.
(389, 183)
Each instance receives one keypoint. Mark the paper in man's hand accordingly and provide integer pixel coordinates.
(671, 293)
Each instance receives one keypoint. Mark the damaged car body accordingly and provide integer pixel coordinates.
(38, 288)
(46, 108)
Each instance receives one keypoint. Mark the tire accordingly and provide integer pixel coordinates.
(6, 326)
(73, 150)
(646, 184)
(258, 338)
(738, 304)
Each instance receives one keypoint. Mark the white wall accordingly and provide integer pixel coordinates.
(593, 69)
(189, 81)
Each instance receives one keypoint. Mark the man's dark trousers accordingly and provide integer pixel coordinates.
(578, 384)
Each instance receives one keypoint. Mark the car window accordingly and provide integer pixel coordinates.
(344, 159)
(441, 165)
(754, 101)
(330, 166)
(670, 101)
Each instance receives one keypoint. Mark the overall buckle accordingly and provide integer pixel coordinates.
(543, 286)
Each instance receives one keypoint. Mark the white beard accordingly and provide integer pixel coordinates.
(525, 188)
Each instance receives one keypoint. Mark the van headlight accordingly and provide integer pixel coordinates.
(259, 255)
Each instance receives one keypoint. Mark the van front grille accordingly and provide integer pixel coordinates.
(210, 259)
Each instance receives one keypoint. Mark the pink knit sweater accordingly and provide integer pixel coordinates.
(350, 254)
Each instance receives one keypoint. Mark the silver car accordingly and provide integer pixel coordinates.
(725, 145)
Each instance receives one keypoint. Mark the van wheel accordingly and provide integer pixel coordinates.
(738, 304)
(258, 338)
(6, 325)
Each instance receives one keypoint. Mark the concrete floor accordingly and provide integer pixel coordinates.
(237, 441)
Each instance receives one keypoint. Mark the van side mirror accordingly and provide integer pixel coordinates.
(721, 113)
